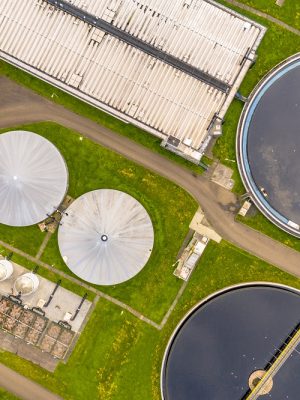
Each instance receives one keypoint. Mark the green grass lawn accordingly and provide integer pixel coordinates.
(28, 238)
(288, 13)
(260, 223)
(171, 209)
(118, 357)
(4, 395)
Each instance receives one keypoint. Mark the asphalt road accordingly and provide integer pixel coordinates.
(22, 387)
(19, 105)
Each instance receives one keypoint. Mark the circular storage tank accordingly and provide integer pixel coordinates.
(33, 178)
(6, 269)
(223, 346)
(268, 146)
(26, 284)
(106, 237)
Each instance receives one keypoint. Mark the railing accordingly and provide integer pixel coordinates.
(288, 347)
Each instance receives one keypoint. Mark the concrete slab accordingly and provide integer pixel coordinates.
(64, 301)
(27, 351)
(51, 343)
(209, 233)
(197, 219)
(280, 3)
(201, 226)
(222, 176)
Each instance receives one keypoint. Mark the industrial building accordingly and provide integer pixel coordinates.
(171, 67)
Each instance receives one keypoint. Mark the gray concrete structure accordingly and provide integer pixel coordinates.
(6, 269)
(63, 301)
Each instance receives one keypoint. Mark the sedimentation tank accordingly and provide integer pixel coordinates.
(232, 334)
(26, 284)
(268, 145)
(6, 269)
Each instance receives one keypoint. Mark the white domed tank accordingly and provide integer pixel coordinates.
(6, 269)
(106, 237)
(26, 284)
(33, 178)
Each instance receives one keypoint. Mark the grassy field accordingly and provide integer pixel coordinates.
(170, 208)
(28, 238)
(288, 13)
(121, 358)
(4, 395)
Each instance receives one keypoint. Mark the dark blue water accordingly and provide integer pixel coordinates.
(226, 339)
(286, 381)
(274, 144)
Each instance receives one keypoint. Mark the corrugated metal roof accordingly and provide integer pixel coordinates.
(122, 79)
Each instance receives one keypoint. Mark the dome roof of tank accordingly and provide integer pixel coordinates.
(6, 269)
(26, 284)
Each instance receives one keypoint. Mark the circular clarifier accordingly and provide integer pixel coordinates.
(223, 345)
(268, 145)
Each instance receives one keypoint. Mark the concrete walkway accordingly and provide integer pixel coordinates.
(22, 387)
(19, 105)
(43, 245)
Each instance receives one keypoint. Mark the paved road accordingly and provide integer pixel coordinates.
(19, 105)
(22, 387)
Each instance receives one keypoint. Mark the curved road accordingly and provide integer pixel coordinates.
(23, 387)
(19, 105)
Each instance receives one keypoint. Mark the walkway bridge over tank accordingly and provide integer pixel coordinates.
(266, 382)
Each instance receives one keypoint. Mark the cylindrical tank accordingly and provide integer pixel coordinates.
(26, 284)
(6, 269)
